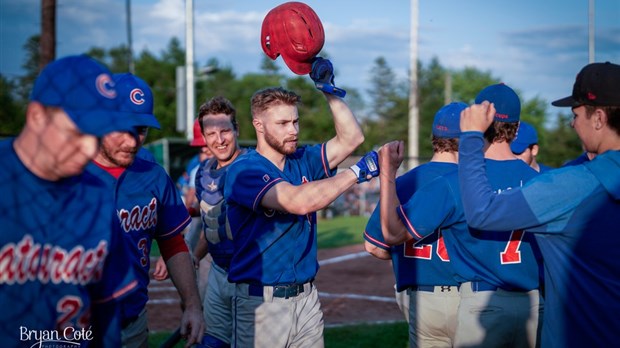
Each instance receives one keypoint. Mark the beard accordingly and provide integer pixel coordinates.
(117, 157)
(285, 147)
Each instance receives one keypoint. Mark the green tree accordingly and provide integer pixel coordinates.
(388, 107)
(12, 111)
(563, 143)
(268, 66)
(31, 66)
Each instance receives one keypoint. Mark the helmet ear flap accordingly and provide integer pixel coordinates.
(267, 40)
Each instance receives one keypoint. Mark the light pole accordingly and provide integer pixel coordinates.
(189, 68)
(414, 111)
(591, 31)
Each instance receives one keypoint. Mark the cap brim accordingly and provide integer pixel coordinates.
(299, 68)
(517, 147)
(568, 101)
(100, 122)
(144, 120)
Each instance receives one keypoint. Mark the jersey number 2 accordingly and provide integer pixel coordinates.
(425, 251)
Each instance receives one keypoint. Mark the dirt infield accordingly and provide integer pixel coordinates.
(353, 287)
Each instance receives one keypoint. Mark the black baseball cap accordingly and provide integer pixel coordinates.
(597, 84)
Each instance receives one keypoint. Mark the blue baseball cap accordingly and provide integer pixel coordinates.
(136, 100)
(84, 89)
(526, 136)
(447, 120)
(507, 103)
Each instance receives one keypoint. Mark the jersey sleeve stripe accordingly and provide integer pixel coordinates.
(178, 228)
(262, 192)
(324, 160)
(120, 293)
(407, 223)
(375, 241)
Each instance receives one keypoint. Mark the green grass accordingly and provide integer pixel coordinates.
(341, 231)
(393, 335)
(333, 233)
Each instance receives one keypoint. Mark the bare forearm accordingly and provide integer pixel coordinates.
(308, 197)
(377, 252)
(394, 232)
(181, 270)
(202, 247)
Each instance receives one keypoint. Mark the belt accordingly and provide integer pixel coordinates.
(436, 288)
(282, 291)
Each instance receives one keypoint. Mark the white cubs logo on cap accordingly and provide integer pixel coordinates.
(105, 86)
(137, 96)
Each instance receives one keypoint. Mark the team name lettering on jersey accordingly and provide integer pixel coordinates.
(139, 218)
(28, 261)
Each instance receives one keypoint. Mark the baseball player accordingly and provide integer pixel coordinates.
(62, 256)
(525, 146)
(148, 207)
(273, 194)
(499, 273)
(218, 121)
(192, 233)
(573, 212)
(423, 269)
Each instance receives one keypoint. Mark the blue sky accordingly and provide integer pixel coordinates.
(537, 47)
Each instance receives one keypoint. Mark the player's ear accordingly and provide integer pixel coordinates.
(600, 118)
(36, 116)
(535, 150)
(258, 125)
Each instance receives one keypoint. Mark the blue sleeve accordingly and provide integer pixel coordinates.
(542, 205)
(431, 207)
(248, 181)
(318, 169)
(373, 233)
(172, 214)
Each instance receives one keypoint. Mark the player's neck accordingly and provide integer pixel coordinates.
(447, 157)
(499, 152)
(32, 155)
(275, 157)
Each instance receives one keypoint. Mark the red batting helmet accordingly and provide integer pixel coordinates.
(294, 31)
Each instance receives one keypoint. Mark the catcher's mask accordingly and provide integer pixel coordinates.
(294, 31)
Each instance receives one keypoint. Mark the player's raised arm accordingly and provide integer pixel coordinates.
(349, 133)
(391, 156)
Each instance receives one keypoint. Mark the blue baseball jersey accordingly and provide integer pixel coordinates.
(509, 260)
(573, 212)
(61, 252)
(544, 168)
(146, 155)
(423, 263)
(210, 182)
(579, 160)
(148, 207)
(272, 247)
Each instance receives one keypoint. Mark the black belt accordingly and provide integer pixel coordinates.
(282, 291)
(431, 288)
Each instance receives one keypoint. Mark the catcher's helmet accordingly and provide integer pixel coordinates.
(294, 31)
